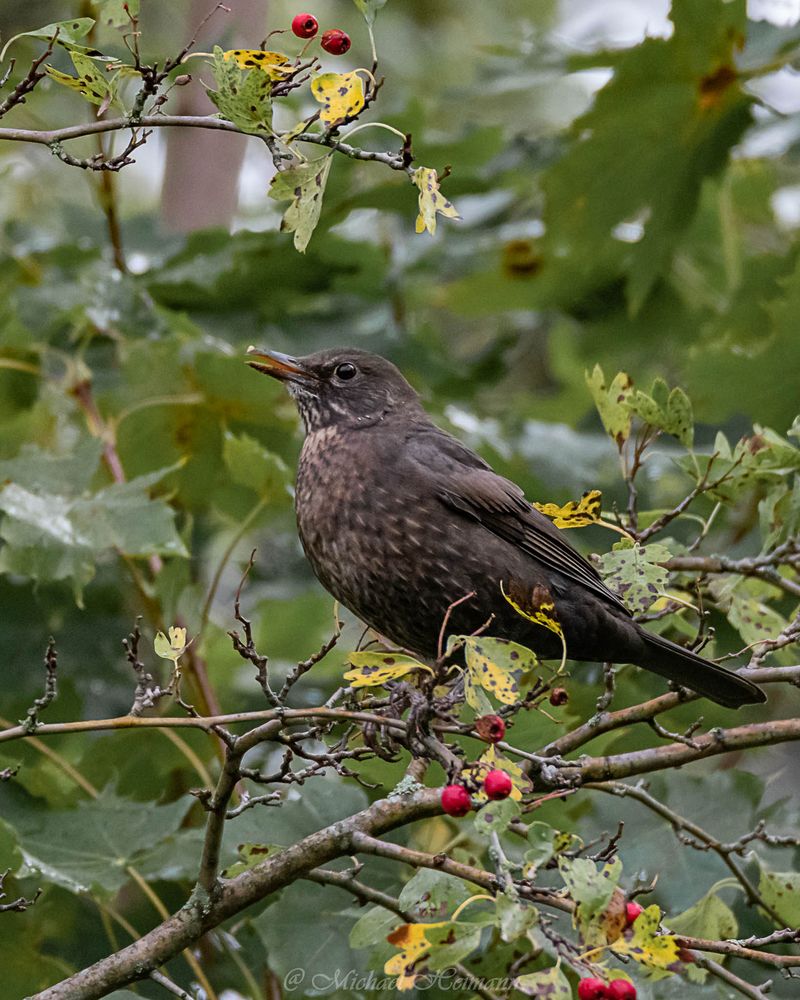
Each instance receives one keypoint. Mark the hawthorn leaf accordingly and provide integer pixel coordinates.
(494, 817)
(546, 843)
(116, 13)
(781, 891)
(431, 895)
(514, 918)
(373, 927)
(413, 942)
(250, 855)
(643, 942)
(372, 669)
(304, 186)
(574, 513)
(709, 917)
(633, 573)
(69, 32)
(42, 471)
(611, 402)
(540, 609)
(549, 984)
(431, 200)
(276, 65)
(492, 760)
(244, 98)
(171, 648)
(592, 889)
(497, 665)
(90, 83)
(753, 620)
(340, 94)
(669, 411)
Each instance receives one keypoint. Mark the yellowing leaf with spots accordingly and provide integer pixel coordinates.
(539, 608)
(493, 760)
(90, 83)
(340, 94)
(549, 984)
(643, 942)
(275, 64)
(611, 402)
(575, 513)
(496, 665)
(373, 669)
(304, 185)
(431, 200)
(413, 942)
(171, 648)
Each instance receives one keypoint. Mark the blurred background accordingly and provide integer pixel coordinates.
(612, 213)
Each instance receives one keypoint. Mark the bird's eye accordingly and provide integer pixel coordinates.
(345, 371)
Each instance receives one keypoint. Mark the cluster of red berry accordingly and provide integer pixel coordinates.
(456, 799)
(335, 41)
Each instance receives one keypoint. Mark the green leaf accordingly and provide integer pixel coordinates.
(432, 895)
(545, 843)
(91, 83)
(611, 402)
(549, 984)
(452, 943)
(494, 817)
(304, 186)
(665, 410)
(369, 8)
(250, 464)
(753, 620)
(68, 474)
(250, 855)
(89, 848)
(687, 87)
(113, 12)
(589, 886)
(633, 573)
(514, 918)
(373, 927)
(10, 856)
(709, 918)
(243, 96)
(68, 32)
(781, 891)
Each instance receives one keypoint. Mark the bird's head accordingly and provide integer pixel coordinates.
(344, 386)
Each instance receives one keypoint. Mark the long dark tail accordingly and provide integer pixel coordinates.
(692, 671)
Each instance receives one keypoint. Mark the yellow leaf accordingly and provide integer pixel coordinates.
(643, 943)
(275, 64)
(541, 610)
(340, 94)
(431, 200)
(414, 944)
(492, 760)
(495, 665)
(576, 513)
(172, 648)
(373, 669)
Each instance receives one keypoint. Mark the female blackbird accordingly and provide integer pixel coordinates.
(400, 521)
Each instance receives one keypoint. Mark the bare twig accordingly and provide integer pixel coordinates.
(31, 722)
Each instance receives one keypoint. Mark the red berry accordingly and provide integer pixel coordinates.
(490, 728)
(620, 989)
(497, 785)
(456, 800)
(632, 911)
(592, 989)
(559, 696)
(336, 42)
(305, 25)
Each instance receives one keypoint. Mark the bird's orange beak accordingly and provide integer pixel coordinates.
(280, 366)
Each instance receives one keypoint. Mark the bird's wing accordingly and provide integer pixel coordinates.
(467, 484)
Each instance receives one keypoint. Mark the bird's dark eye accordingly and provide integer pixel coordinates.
(345, 371)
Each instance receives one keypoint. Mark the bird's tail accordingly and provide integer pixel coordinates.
(690, 670)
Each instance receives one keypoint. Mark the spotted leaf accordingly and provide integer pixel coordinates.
(539, 608)
(243, 97)
(496, 665)
(439, 944)
(634, 574)
(669, 411)
(549, 984)
(373, 669)
(611, 401)
(66, 33)
(90, 83)
(643, 942)
(116, 13)
(304, 185)
(592, 888)
(340, 94)
(250, 855)
(575, 513)
(781, 891)
(275, 65)
(431, 200)
(492, 760)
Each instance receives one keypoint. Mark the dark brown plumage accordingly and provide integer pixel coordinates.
(399, 520)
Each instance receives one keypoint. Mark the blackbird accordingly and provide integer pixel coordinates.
(402, 523)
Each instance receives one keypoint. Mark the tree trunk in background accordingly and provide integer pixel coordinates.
(201, 173)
